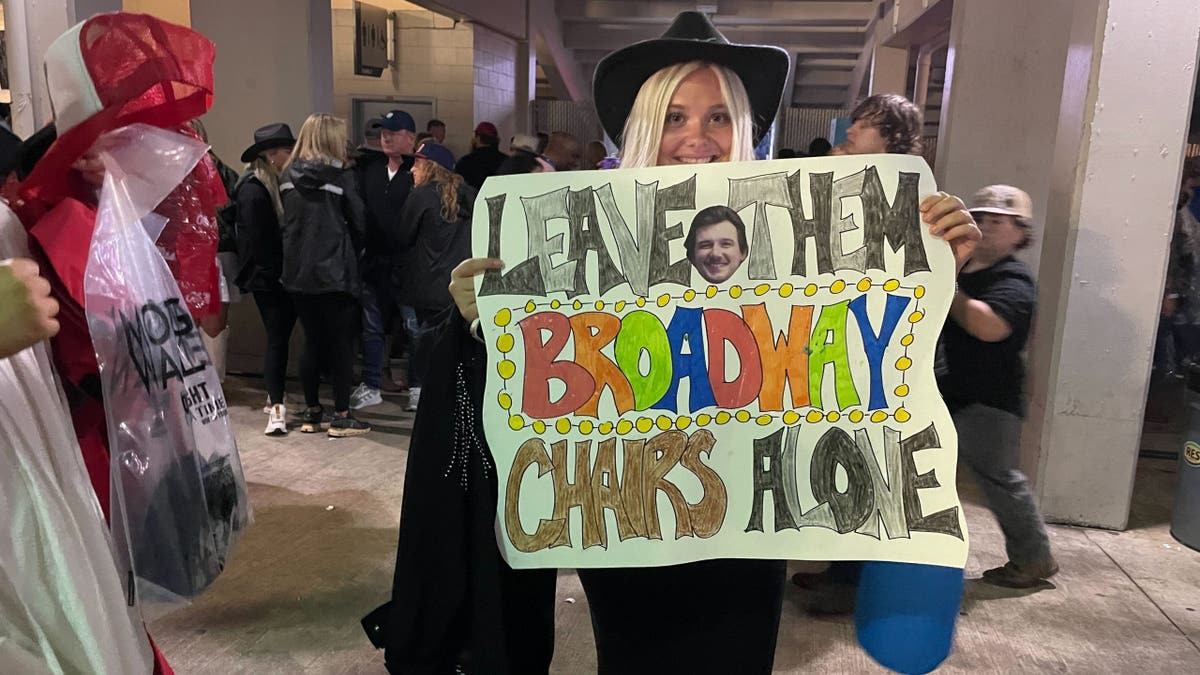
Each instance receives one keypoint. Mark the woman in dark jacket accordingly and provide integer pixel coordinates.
(257, 212)
(435, 235)
(322, 231)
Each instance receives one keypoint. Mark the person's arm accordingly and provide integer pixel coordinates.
(26, 309)
(1003, 307)
(978, 319)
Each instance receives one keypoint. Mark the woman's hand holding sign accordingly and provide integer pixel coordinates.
(462, 284)
(949, 219)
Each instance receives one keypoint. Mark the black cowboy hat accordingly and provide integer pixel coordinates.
(278, 135)
(692, 37)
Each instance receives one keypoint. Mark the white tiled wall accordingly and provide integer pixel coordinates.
(432, 63)
(495, 82)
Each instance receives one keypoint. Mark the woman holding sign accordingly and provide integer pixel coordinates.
(688, 98)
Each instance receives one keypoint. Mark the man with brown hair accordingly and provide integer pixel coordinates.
(883, 123)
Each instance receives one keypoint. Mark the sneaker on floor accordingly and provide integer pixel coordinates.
(277, 422)
(312, 420)
(414, 399)
(343, 427)
(364, 397)
(1013, 575)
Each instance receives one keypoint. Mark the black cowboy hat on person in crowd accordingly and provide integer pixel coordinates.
(278, 135)
(692, 37)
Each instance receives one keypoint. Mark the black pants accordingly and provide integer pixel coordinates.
(714, 616)
(279, 318)
(422, 327)
(330, 323)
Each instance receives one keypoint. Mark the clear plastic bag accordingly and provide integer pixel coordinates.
(179, 496)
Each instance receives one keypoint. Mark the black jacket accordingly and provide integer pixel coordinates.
(431, 246)
(259, 246)
(384, 201)
(226, 227)
(323, 229)
(480, 165)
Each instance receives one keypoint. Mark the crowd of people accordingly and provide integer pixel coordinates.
(358, 241)
(357, 245)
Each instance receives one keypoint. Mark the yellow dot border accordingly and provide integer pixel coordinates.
(648, 422)
(644, 423)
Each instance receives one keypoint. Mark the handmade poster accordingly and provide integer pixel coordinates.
(722, 361)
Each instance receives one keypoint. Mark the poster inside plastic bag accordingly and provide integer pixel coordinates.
(179, 493)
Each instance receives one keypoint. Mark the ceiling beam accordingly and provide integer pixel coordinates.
(588, 36)
(823, 78)
(559, 62)
(812, 63)
(727, 10)
(819, 98)
(859, 77)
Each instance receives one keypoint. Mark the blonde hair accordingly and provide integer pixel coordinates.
(643, 131)
(447, 184)
(322, 138)
(266, 174)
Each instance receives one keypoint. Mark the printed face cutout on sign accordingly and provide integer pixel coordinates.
(716, 243)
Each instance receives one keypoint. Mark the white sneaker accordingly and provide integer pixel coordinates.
(364, 397)
(414, 399)
(277, 422)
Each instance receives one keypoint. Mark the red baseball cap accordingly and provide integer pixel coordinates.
(487, 129)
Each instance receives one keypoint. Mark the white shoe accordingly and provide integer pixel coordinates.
(277, 422)
(414, 399)
(364, 397)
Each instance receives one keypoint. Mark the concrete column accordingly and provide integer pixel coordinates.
(889, 71)
(320, 55)
(89, 8)
(30, 27)
(525, 70)
(261, 76)
(175, 11)
(1000, 104)
(1126, 99)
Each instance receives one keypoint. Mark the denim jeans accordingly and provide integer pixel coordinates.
(989, 443)
(378, 308)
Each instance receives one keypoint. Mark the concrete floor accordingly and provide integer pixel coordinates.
(320, 555)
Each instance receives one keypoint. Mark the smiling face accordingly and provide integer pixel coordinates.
(698, 128)
(718, 252)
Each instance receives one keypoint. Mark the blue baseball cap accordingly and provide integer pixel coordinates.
(398, 120)
(437, 153)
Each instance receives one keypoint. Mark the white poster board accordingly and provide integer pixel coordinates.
(643, 410)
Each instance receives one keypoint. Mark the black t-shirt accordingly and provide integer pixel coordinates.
(991, 373)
